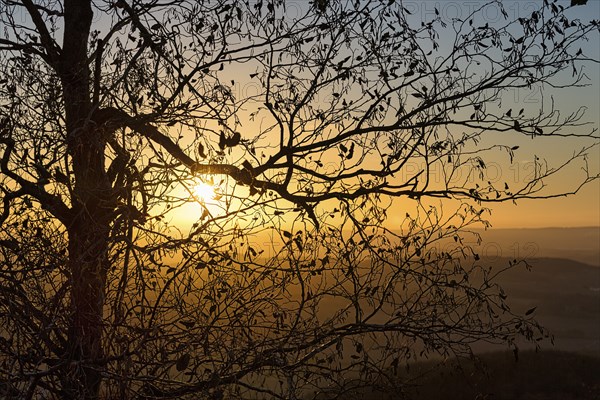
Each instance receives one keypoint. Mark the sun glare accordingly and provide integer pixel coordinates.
(204, 192)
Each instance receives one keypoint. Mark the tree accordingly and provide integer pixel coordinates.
(113, 111)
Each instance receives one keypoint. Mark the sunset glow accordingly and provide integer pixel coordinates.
(204, 192)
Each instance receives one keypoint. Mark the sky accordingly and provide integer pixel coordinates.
(582, 209)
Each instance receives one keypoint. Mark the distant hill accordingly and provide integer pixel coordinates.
(579, 244)
(564, 286)
(567, 296)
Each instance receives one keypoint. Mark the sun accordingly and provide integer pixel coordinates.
(204, 192)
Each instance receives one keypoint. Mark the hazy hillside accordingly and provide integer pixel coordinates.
(579, 244)
(567, 296)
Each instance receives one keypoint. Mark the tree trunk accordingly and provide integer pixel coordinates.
(88, 262)
(92, 207)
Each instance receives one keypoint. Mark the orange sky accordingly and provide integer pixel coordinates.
(582, 209)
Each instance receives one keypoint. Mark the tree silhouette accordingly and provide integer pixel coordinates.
(312, 121)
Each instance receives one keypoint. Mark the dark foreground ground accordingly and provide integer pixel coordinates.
(547, 375)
